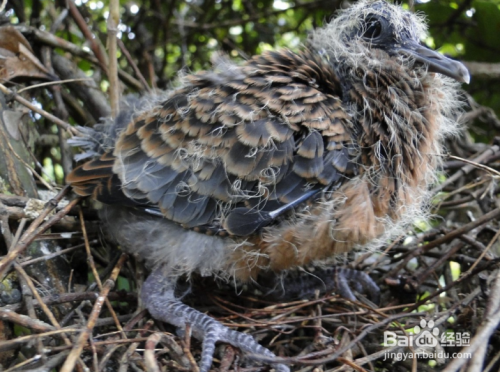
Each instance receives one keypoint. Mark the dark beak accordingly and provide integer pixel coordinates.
(436, 62)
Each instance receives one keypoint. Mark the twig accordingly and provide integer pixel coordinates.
(44, 307)
(477, 165)
(132, 63)
(114, 88)
(466, 169)
(7, 345)
(485, 70)
(73, 297)
(149, 355)
(69, 364)
(488, 326)
(83, 26)
(53, 255)
(44, 113)
(90, 259)
(125, 358)
(305, 360)
(4, 225)
(483, 253)
(447, 287)
(37, 228)
(25, 321)
(52, 83)
(2, 6)
(447, 238)
(32, 170)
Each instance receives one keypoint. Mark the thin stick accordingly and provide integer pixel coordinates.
(475, 164)
(466, 169)
(132, 63)
(483, 253)
(114, 87)
(70, 362)
(37, 228)
(52, 83)
(43, 306)
(44, 113)
(2, 7)
(90, 259)
(82, 25)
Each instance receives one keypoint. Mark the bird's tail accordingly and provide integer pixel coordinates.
(100, 138)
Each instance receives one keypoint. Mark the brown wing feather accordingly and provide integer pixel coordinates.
(256, 139)
(96, 179)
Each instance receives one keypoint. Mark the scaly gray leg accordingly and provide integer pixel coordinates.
(158, 297)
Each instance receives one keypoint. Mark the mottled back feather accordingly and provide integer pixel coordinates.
(259, 138)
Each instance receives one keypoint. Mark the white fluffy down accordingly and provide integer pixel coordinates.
(159, 241)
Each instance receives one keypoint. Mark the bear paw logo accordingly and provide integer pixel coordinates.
(426, 335)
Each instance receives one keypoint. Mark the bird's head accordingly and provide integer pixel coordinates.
(358, 35)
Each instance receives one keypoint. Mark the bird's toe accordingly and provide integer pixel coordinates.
(158, 296)
(349, 279)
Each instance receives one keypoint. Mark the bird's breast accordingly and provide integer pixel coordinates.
(351, 216)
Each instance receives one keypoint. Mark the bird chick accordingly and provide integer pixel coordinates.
(287, 159)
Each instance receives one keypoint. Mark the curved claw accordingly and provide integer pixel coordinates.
(158, 296)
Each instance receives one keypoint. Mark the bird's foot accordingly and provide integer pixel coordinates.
(302, 284)
(348, 279)
(159, 298)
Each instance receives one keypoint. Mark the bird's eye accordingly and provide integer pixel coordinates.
(373, 29)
